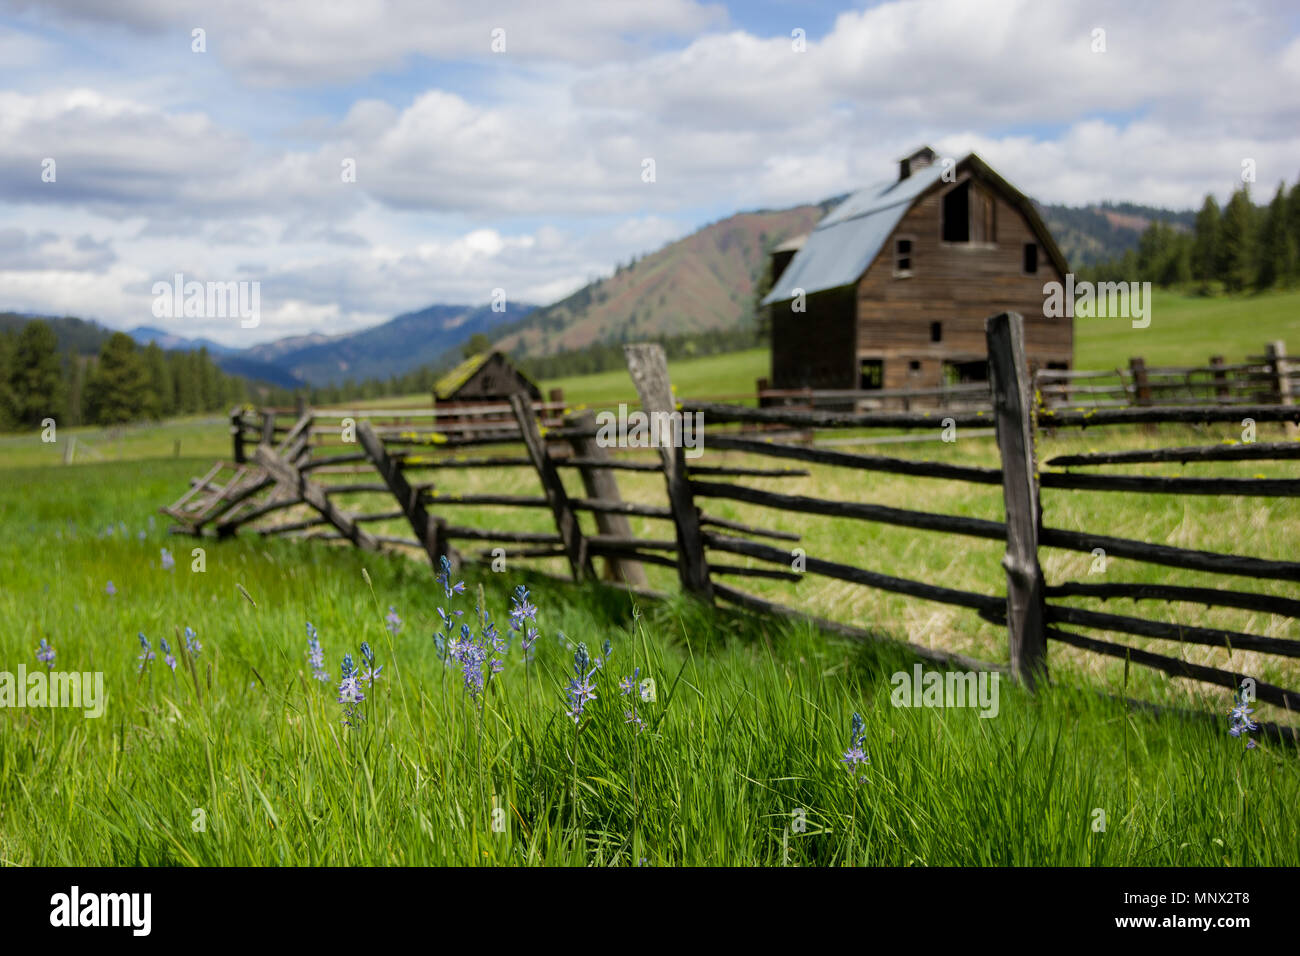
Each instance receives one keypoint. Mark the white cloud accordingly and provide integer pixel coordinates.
(529, 178)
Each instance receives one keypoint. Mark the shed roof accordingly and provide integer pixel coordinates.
(845, 242)
(447, 386)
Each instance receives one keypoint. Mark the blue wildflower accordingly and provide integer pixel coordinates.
(192, 645)
(147, 655)
(168, 562)
(581, 690)
(394, 622)
(444, 578)
(521, 609)
(857, 735)
(1239, 719)
(45, 654)
(316, 655)
(168, 657)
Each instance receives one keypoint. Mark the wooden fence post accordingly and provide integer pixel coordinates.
(237, 434)
(648, 366)
(566, 522)
(1282, 389)
(1220, 380)
(600, 483)
(427, 530)
(1013, 413)
(268, 428)
(1141, 385)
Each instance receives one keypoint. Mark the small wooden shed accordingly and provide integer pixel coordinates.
(485, 377)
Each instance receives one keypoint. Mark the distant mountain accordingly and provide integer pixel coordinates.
(1091, 234)
(272, 351)
(703, 282)
(172, 342)
(74, 335)
(402, 344)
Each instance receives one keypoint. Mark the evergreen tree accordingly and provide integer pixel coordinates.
(160, 382)
(1237, 259)
(35, 375)
(1293, 226)
(1205, 249)
(8, 406)
(1276, 249)
(119, 390)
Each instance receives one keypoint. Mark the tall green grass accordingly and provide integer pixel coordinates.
(739, 764)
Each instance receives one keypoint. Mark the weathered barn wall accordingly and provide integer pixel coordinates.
(958, 285)
(815, 348)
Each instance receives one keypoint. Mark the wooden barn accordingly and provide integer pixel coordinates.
(891, 289)
(485, 377)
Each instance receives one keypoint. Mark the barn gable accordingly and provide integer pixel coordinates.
(487, 375)
(898, 279)
(844, 244)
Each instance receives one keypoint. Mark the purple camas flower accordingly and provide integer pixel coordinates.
(168, 562)
(45, 654)
(444, 578)
(350, 691)
(371, 673)
(147, 655)
(521, 609)
(316, 655)
(631, 685)
(192, 644)
(109, 589)
(1239, 719)
(394, 622)
(168, 657)
(581, 690)
(855, 755)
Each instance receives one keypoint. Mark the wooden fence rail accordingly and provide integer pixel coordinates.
(290, 447)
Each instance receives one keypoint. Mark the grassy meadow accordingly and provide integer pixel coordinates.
(244, 758)
(240, 756)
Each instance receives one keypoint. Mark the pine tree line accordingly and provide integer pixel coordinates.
(1241, 248)
(123, 383)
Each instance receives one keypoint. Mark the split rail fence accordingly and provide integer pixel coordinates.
(307, 459)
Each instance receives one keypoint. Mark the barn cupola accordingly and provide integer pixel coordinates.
(916, 160)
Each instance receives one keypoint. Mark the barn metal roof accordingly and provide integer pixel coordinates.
(844, 243)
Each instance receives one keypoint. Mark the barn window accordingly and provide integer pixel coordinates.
(956, 214)
(936, 331)
(914, 366)
(969, 215)
(872, 374)
(902, 258)
(1031, 258)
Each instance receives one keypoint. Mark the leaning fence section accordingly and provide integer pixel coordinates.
(538, 481)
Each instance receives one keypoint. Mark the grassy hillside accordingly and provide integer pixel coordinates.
(703, 282)
(1184, 330)
(1187, 330)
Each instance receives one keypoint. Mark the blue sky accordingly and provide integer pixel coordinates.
(521, 168)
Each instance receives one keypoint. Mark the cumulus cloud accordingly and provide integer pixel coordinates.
(524, 170)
